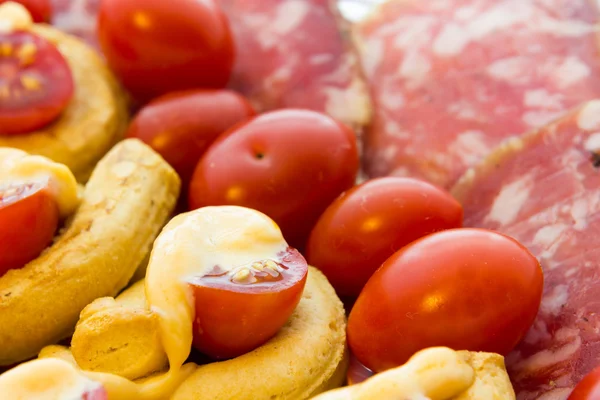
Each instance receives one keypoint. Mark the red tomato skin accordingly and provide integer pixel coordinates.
(40, 10)
(230, 322)
(368, 223)
(467, 289)
(180, 126)
(27, 227)
(18, 115)
(158, 46)
(588, 388)
(289, 164)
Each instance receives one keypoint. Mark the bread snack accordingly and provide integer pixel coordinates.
(128, 199)
(94, 119)
(437, 373)
(126, 337)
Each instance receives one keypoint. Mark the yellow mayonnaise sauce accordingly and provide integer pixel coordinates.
(46, 379)
(16, 166)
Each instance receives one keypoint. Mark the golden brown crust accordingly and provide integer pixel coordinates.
(128, 199)
(307, 357)
(91, 124)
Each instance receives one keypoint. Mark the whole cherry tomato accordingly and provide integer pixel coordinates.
(180, 126)
(588, 388)
(40, 10)
(368, 223)
(36, 83)
(28, 222)
(248, 305)
(158, 46)
(289, 164)
(467, 289)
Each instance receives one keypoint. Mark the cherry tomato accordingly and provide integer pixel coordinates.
(36, 83)
(368, 223)
(40, 10)
(158, 46)
(588, 388)
(467, 289)
(180, 126)
(240, 309)
(357, 372)
(28, 222)
(289, 164)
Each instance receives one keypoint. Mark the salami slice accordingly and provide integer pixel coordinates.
(293, 53)
(451, 79)
(77, 17)
(544, 190)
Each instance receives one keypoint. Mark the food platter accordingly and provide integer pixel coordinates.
(299, 199)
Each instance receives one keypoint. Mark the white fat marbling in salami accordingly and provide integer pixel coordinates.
(544, 190)
(451, 79)
(77, 17)
(294, 53)
(289, 53)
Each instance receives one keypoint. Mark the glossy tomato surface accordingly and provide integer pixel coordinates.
(28, 222)
(368, 223)
(588, 388)
(40, 10)
(467, 289)
(36, 83)
(158, 46)
(180, 126)
(289, 164)
(238, 310)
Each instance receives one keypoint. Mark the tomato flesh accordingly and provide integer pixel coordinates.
(181, 126)
(467, 289)
(158, 46)
(288, 164)
(588, 388)
(368, 223)
(238, 310)
(36, 83)
(28, 220)
(40, 10)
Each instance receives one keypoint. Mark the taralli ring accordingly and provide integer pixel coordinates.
(128, 336)
(63, 102)
(130, 195)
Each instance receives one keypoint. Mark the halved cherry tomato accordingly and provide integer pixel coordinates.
(588, 388)
(28, 222)
(357, 372)
(36, 83)
(238, 310)
(289, 164)
(40, 10)
(467, 289)
(180, 126)
(159, 46)
(368, 223)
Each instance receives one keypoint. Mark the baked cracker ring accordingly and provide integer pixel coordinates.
(94, 120)
(307, 356)
(127, 201)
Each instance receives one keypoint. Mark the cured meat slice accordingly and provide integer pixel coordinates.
(290, 53)
(293, 53)
(77, 17)
(544, 190)
(451, 79)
